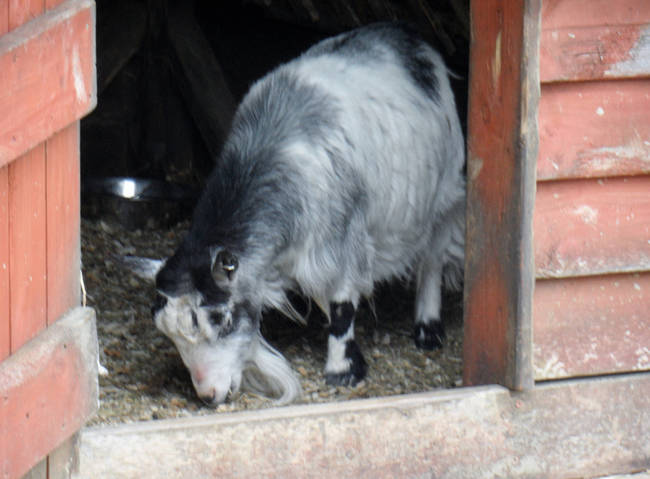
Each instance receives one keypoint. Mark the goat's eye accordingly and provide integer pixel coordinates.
(216, 318)
(195, 320)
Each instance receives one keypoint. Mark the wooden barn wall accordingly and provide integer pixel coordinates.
(591, 304)
(47, 83)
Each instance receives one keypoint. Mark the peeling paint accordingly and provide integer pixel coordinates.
(496, 61)
(587, 214)
(77, 73)
(638, 58)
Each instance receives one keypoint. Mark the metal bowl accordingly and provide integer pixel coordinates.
(136, 203)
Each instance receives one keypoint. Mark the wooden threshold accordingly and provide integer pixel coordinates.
(578, 428)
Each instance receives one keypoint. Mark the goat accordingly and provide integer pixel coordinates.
(343, 168)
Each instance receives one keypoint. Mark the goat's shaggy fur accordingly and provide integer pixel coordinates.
(343, 168)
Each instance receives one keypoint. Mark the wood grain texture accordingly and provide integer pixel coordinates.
(5, 307)
(564, 430)
(590, 13)
(502, 152)
(4, 17)
(48, 390)
(48, 79)
(591, 227)
(593, 53)
(27, 248)
(594, 129)
(592, 325)
(63, 213)
(22, 11)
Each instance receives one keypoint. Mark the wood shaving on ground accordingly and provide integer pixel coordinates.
(143, 377)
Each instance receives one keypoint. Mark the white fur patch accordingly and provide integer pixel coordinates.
(337, 362)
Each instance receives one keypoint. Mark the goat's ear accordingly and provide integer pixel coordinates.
(145, 268)
(224, 266)
(174, 278)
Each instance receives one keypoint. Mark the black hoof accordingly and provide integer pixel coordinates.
(357, 371)
(429, 336)
(342, 379)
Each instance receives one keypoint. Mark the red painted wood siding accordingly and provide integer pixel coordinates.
(594, 129)
(591, 307)
(47, 83)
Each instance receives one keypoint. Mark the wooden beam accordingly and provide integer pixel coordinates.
(502, 152)
(594, 129)
(5, 307)
(48, 76)
(560, 430)
(63, 222)
(48, 388)
(200, 78)
(592, 325)
(27, 248)
(590, 227)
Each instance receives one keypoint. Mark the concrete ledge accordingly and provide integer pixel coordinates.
(563, 429)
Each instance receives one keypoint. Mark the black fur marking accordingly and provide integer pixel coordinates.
(357, 371)
(405, 40)
(159, 303)
(254, 184)
(215, 318)
(342, 317)
(429, 336)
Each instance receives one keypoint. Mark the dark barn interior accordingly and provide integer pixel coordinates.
(170, 75)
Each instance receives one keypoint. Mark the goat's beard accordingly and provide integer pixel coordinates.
(267, 372)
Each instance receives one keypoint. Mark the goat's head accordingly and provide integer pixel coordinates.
(206, 307)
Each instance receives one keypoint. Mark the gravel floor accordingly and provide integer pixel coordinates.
(146, 379)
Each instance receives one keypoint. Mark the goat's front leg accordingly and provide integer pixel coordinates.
(345, 364)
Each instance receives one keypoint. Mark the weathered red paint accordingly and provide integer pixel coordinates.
(502, 140)
(27, 247)
(22, 11)
(5, 327)
(63, 248)
(593, 13)
(594, 129)
(592, 53)
(592, 325)
(48, 78)
(47, 390)
(588, 227)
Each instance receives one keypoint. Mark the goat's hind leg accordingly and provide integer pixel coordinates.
(345, 364)
(428, 332)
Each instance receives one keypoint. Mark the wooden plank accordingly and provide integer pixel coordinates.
(594, 129)
(27, 253)
(22, 11)
(48, 389)
(590, 227)
(592, 325)
(4, 17)
(591, 13)
(5, 328)
(63, 461)
(502, 152)
(559, 430)
(48, 76)
(50, 4)
(592, 53)
(200, 77)
(63, 247)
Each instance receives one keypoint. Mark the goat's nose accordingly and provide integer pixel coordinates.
(209, 397)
